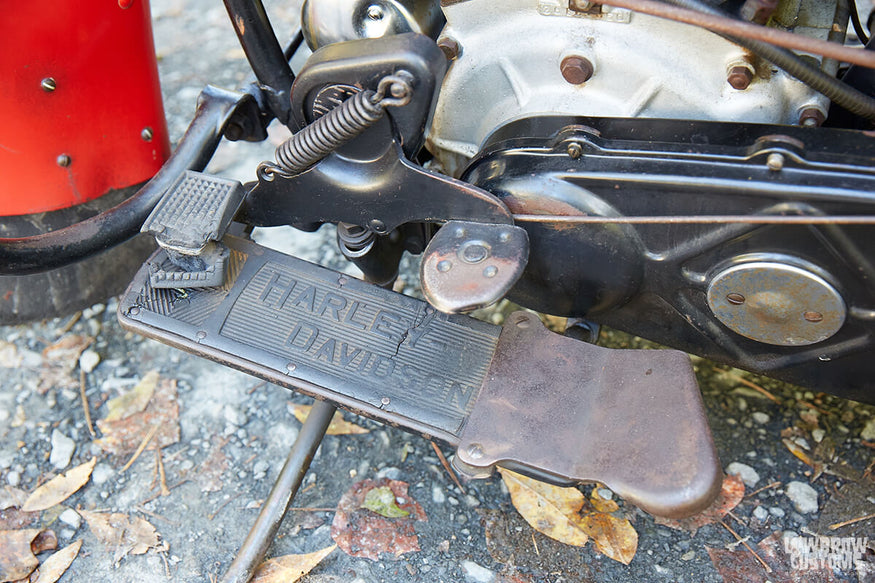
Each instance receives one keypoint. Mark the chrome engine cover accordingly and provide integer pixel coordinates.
(508, 57)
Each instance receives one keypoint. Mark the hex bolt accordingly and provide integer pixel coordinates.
(739, 77)
(146, 134)
(576, 69)
(574, 150)
(735, 298)
(812, 316)
(450, 47)
(64, 160)
(775, 162)
(48, 84)
(811, 117)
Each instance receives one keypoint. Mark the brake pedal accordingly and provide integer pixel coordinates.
(521, 397)
(188, 224)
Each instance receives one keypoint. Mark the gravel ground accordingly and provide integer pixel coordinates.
(203, 529)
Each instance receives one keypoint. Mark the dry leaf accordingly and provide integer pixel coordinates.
(550, 510)
(134, 401)
(123, 436)
(11, 497)
(614, 537)
(60, 359)
(602, 504)
(742, 565)
(213, 467)
(13, 518)
(122, 534)
(730, 495)
(362, 533)
(289, 568)
(59, 488)
(798, 451)
(338, 425)
(17, 550)
(56, 565)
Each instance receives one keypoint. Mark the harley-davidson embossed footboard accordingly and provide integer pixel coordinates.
(522, 397)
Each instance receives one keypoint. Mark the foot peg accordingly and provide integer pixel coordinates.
(187, 223)
(469, 265)
(521, 397)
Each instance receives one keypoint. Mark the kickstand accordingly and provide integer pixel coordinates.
(284, 489)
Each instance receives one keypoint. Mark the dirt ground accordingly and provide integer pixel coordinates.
(235, 431)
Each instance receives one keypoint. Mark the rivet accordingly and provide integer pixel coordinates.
(490, 271)
(444, 266)
(459, 232)
(48, 84)
(574, 150)
(342, 280)
(64, 160)
(775, 162)
(812, 316)
(146, 134)
(125, 4)
(378, 226)
(735, 298)
(134, 311)
(201, 335)
(385, 401)
(523, 322)
(475, 451)
(291, 367)
(504, 237)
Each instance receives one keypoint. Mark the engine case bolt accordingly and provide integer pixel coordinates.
(48, 84)
(64, 160)
(739, 77)
(811, 117)
(574, 150)
(775, 162)
(576, 69)
(450, 47)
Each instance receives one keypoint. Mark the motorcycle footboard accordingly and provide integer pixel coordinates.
(521, 397)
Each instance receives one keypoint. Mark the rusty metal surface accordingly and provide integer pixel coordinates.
(569, 411)
(470, 265)
(776, 303)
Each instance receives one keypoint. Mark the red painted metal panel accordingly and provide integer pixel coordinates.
(105, 105)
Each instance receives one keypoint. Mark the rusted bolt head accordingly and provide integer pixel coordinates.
(739, 77)
(576, 70)
(450, 47)
(48, 84)
(811, 118)
(813, 316)
(735, 298)
(64, 160)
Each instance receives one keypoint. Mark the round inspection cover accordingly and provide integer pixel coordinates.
(776, 303)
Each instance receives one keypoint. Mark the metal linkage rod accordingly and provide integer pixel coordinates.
(284, 489)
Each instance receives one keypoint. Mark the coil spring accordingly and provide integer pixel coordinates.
(354, 241)
(329, 132)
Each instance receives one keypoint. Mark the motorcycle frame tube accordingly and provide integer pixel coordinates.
(264, 53)
(54, 249)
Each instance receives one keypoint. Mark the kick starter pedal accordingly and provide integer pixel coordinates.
(188, 224)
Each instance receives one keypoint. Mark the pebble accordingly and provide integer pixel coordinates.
(71, 518)
(62, 450)
(803, 497)
(68, 533)
(234, 416)
(818, 435)
(477, 574)
(748, 475)
(605, 494)
(760, 417)
(760, 513)
(13, 478)
(102, 473)
(6, 458)
(868, 432)
(437, 495)
(261, 467)
(390, 472)
(89, 360)
(778, 512)
(688, 556)
(471, 501)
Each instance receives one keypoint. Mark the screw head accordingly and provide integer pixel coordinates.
(576, 69)
(64, 160)
(48, 84)
(574, 150)
(812, 316)
(775, 162)
(450, 47)
(375, 12)
(475, 451)
(146, 134)
(735, 299)
(739, 77)
(378, 226)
